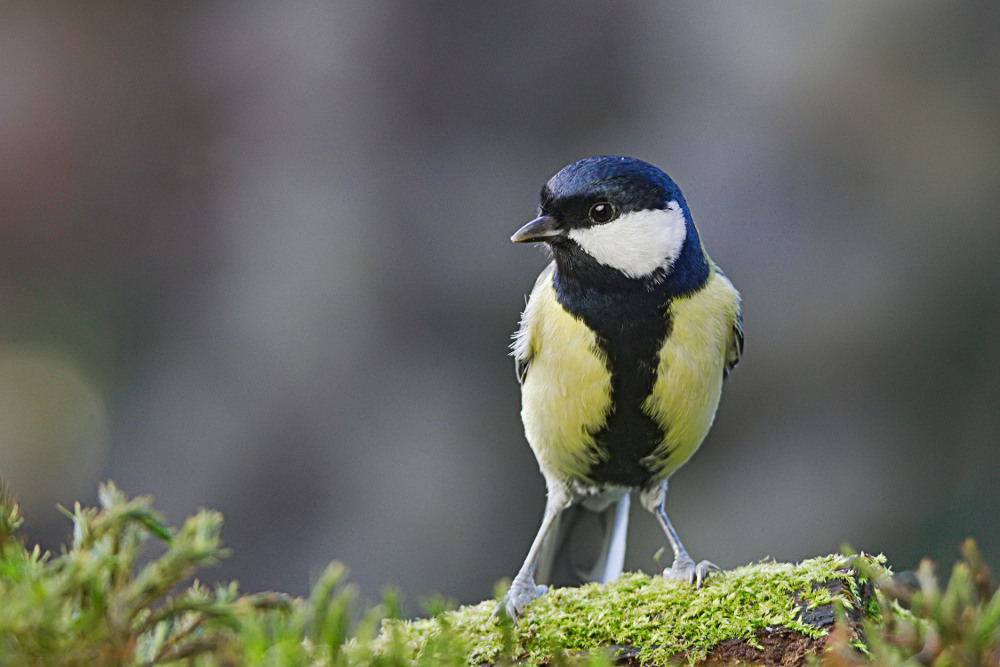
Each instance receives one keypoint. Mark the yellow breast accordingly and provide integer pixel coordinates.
(689, 376)
(566, 394)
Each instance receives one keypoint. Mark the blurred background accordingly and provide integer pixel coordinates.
(254, 257)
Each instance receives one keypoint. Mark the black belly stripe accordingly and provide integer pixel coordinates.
(631, 327)
(631, 317)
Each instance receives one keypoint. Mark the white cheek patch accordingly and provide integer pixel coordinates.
(636, 243)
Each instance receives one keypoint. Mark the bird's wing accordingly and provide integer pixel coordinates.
(736, 346)
(523, 349)
(736, 342)
(521, 368)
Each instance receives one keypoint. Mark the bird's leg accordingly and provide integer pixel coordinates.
(683, 568)
(523, 589)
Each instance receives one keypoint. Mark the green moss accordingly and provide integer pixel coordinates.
(659, 617)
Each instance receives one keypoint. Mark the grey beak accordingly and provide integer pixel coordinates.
(539, 229)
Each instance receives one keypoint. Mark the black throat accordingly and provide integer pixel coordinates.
(631, 319)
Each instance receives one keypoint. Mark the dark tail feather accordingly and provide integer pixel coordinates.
(586, 544)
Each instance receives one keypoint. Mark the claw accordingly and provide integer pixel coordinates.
(521, 593)
(684, 569)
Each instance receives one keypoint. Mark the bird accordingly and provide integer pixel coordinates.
(621, 353)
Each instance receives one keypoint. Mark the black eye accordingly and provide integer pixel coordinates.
(601, 212)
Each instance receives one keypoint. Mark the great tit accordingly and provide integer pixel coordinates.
(621, 354)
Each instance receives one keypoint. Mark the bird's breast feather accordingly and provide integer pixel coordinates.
(566, 392)
(691, 368)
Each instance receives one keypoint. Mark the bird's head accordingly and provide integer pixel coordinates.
(612, 214)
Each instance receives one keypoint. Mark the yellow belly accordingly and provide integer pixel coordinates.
(567, 391)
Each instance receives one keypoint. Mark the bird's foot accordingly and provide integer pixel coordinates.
(685, 569)
(522, 591)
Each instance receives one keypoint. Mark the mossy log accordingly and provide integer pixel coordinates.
(763, 614)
